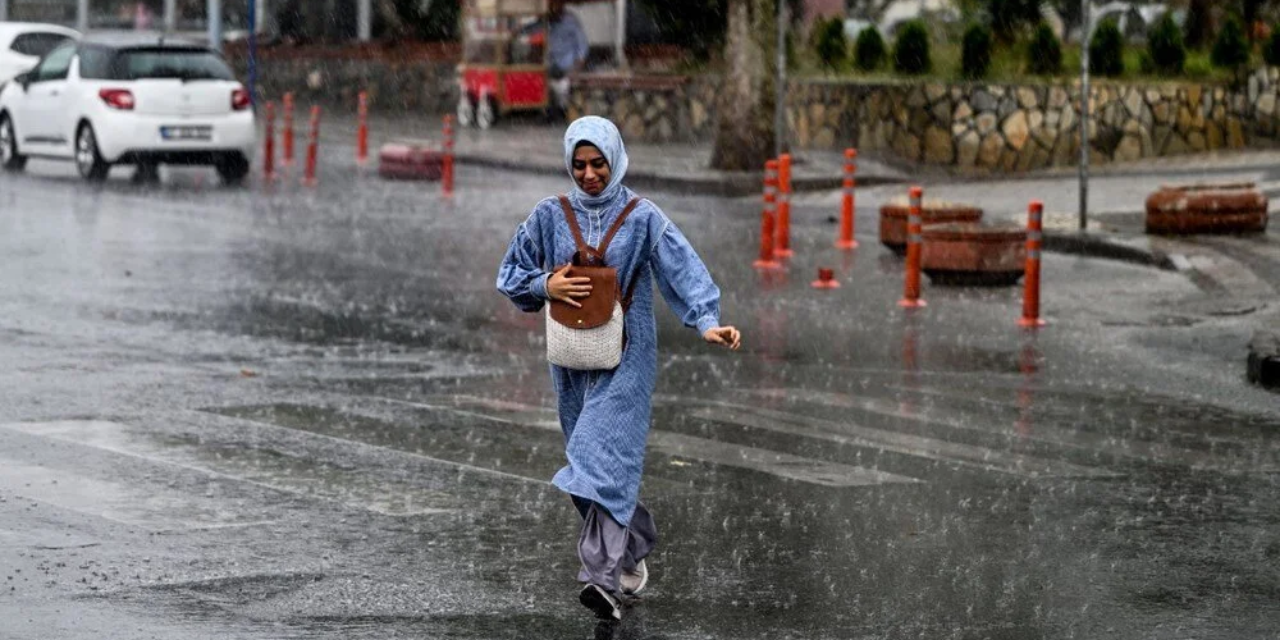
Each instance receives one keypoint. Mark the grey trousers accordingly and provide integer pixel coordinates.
(607, 548)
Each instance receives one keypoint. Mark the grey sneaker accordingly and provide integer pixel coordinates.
(633, 583)
(605, 606)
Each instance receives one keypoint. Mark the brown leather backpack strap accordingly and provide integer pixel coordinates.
(617, 224)
(583, 248)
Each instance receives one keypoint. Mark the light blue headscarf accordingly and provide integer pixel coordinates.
(604, 135)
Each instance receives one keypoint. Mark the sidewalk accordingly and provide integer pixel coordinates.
(1244, 267)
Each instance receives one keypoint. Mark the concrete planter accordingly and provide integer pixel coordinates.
(893, 219)
(968, 254)
(409, 161)
(1232, 208)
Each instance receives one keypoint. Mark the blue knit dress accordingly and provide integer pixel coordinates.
(605, 414)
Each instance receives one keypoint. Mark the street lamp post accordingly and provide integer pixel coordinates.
(780, 91)
(253, 52)
(4, 9)
(1084, 112)
(214, 8)
(82, 16)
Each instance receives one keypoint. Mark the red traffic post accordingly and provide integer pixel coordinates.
(766, 259)
(1031, 295)
(826, 280)
(269, 144)
(846, 240)
(446, 171)
(782, 248)
(313, 149)
(288, 129)
(362, 130)
(915, 230)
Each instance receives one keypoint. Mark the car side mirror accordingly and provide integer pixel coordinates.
(23, 79)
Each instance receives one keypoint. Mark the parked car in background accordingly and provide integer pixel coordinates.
(138, 99)
(22, 44)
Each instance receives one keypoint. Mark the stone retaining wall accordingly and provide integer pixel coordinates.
(976, 128)
(398, 80)
(985, 128)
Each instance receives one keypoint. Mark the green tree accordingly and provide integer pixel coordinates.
(1271, 51)
(1106, 50)
(1231, 49)
(1164, 44)
(1044, 53)
(830, 43)
(1199, 24)
(1008, 17)
(911, 50)
(975, 57)
(870, 50)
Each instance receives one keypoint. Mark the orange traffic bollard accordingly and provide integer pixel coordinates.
(767, 260)
(782, 248)
(846, 240)
(309, 177)
(911, 294)
(826, 280)
(446, 170)
(1035, 238)
(288, 129)
(362, 131)
(269, 144)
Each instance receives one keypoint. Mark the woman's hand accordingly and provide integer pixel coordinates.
(726, 336)
(563, 288)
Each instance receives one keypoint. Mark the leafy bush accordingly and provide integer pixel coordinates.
(1008, 16)
(1106, 50)
(975, 58)
(1044, 53)
(870, 50)
(1271, 51)
(830, 44)
(911, 51)
(1199, 24)
(1168, 53)
(1230, 50)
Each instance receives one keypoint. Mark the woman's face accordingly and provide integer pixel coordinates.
(590, 170)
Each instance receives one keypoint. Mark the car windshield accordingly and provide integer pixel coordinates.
(141, 64)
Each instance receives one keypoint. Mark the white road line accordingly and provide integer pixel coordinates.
(112, 437)
(907, 444)
(681, 446)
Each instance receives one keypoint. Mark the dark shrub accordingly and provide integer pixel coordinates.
(1106, 50)
(1168, 54)
(830, 44)
(1271, 51)
(1231, 49)
(911, 51)
(870, 51)
(975, 59)
(1044, 53)
(1008, 17)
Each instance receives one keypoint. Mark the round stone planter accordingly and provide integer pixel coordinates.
(1227, 208)
(968, 254)
(893, 219)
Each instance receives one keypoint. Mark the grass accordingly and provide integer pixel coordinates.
(1008, 64)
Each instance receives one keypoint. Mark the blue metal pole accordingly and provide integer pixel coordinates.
(253, 52)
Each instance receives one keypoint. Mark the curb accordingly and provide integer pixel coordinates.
(1109, 246)
(727, 184)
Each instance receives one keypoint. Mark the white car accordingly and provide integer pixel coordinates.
(129, 99)
(22, 44)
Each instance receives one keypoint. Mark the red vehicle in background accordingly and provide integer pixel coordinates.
(505, 59)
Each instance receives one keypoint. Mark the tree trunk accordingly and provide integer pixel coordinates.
(744, 132)
(391, 17)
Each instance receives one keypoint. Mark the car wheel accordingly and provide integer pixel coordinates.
(88, 161)
(10, 159)
(466, 111)
(233, 170)
(485, 114)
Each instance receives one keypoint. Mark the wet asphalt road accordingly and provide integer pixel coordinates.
(273, 412)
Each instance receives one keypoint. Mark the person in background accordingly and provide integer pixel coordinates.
(568, 51)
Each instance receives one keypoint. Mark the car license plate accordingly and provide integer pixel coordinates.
(187, 133)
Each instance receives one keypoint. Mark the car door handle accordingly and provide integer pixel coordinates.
(54, 92)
